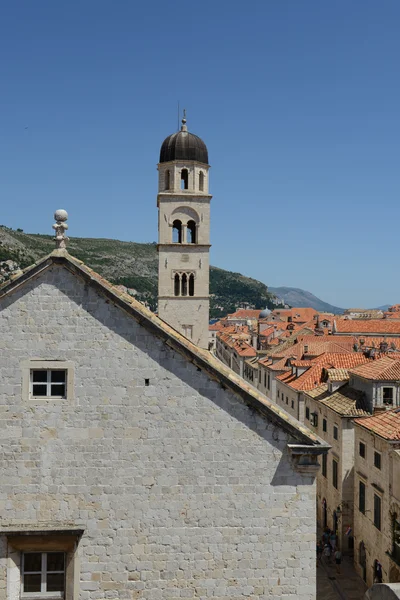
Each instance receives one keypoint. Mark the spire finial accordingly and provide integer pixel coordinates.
(60, 228)
(184, 126)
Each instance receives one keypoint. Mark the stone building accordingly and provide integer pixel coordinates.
(377, 497)
(136, 465)
(329, 411)
(184, 235)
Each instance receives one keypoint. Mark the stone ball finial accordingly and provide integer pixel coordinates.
(60, 227)
(61, 215)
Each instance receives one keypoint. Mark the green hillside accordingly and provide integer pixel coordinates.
(135, 266)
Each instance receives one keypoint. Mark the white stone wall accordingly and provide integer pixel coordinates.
(290, 400)
(181, 489)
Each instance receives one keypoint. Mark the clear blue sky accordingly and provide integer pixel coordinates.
(298, 102)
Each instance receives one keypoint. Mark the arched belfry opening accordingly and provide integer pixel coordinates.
(191, 232)
(177, 232)
(184, 179)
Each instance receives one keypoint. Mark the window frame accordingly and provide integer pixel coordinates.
(363, 454)
(377, 460)
(335, 473)
(324, 466)
(324, 425)
(48, 384)
(378, 513)
(40, 364)
(361, 484)
(43, 575)
(387, 402)
(307, 413)
(335, 432)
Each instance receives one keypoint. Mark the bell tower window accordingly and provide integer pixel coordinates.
(191, 232)
(184, 179)
(167, 179)
(177, 284)
(177, 232)
(191, 284)
(201, 181)
(184, 284)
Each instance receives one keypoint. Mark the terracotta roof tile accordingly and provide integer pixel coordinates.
(338, 374)
(385, 424)
(368, 326)
(382, 369)
(346, 401)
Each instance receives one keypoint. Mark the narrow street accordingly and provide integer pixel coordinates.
(334, 586)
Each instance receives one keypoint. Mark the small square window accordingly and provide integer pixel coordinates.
(324, 425)
(42, 573)
(362, 449)
(377, 460)
(48, 383)
(335, 432)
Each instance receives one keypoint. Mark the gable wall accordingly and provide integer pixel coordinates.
(181, 489)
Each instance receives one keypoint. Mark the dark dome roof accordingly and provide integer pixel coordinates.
(183, 146)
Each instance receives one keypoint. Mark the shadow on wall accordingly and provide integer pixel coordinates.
(110, 316)
(383, 591)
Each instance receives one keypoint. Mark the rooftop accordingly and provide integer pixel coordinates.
(385, 424)
(382, 369)
(346, 401)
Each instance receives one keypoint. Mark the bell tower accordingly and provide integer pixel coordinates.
(184, 235)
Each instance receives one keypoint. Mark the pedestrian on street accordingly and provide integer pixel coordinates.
(327, 552)
(333, 540)
(338, 560)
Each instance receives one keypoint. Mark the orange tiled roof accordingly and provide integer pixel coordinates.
(314, 375)
(368, 326)
(242, 348)
(385, 424)
(382, 369)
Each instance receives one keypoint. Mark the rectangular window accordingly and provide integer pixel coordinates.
(324, 425)
(335, 432)
(307, 413)
(48, 383)
(43, 574)
(388, 395)
(314, 419)
(265, 379)
(292, 403)
(335, 473)
(287, 400)
(377, 460)
(278, 393)
(361, 449)
(269, 381)
(377, 511)
(361, 497)
(324, 465)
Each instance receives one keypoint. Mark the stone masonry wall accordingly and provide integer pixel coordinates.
(181, 489)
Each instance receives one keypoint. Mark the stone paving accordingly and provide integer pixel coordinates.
(334, 586)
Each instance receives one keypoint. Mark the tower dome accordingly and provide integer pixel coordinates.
(183, 145)
(264, 313)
